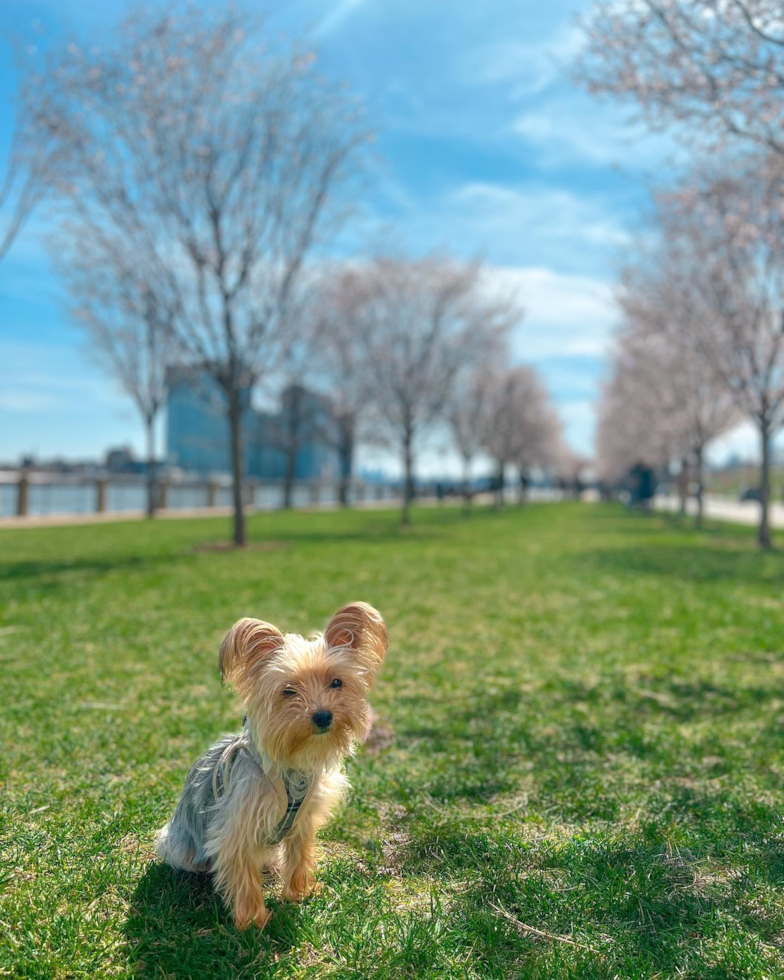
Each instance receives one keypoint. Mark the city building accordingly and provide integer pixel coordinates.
(121, 459)
(197, 432)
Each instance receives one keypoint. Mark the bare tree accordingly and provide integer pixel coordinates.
(717, 68)
(571, 468)
(470, 396)
(339, 354)
(693, 404)
(663, 399)
(540, 442)
(723, 250)
(34, 158)
(632, 428)
(227, 164)
(127, 319)
(418, 324)
(467, 406)
(518, 422)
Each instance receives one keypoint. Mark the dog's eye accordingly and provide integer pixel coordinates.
(289, 693)
(337, 683)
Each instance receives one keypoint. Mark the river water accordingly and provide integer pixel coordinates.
(72, 498)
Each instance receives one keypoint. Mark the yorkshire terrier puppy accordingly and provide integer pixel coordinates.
(257, 799)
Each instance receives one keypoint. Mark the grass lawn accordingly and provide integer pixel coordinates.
(580, 730)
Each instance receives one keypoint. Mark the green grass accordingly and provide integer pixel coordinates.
(581, 725)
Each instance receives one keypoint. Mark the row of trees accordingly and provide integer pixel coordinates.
(200, 180)
(702, 343)
(428, 346)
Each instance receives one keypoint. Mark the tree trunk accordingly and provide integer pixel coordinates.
(152, 487)
(408, 467)
(698, 474)
(346, 453)
(343, 491)
(764, 526)
(237, 467)
(522, 490)
(499, 493)
(683, 486)
(292, 446)
(288, 479)
(466, 486)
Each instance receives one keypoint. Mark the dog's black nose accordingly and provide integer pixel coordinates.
(322, 719)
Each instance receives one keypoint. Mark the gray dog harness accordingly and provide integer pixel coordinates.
(292, 787)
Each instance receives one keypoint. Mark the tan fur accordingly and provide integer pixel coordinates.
(361, 628)
(299, 864)
(248, 642)
(262, 663)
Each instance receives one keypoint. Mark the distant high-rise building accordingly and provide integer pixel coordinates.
(198, 432)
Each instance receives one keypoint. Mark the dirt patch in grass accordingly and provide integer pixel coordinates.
(381, 736)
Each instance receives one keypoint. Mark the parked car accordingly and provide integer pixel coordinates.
(750, 493)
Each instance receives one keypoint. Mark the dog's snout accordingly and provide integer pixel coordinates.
(322, 719)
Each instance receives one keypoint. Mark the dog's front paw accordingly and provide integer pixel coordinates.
(244, 916)
(300, 887)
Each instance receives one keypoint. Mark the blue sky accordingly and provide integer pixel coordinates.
(487, 148)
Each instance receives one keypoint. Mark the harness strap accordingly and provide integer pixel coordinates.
(291, 801)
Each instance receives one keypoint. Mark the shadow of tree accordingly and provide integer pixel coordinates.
(705, 564)
(43, 569)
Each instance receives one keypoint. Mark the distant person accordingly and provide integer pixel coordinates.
(643, 485)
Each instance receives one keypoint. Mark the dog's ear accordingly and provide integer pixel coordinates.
(359, 627)
(247, 644)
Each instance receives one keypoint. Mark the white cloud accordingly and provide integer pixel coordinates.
(551, 213)
(530, 225)
(531, 67)
(23, 400)
(338, 13)
(565, 315)
(576, 128)
(566, 331)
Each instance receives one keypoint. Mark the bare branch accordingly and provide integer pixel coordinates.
(224, 161)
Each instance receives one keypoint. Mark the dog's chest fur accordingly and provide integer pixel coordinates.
(230, 794)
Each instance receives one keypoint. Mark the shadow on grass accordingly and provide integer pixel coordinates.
(178, 927)
(44, 579)
(620, 703)
(266, 532)
(293, 527)
(51, 576)
(705, 564)
(21, 570)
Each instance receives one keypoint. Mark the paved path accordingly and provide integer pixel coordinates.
(726, 509)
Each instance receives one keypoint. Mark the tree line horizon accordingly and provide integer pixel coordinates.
(196, 175)
(700, 345)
